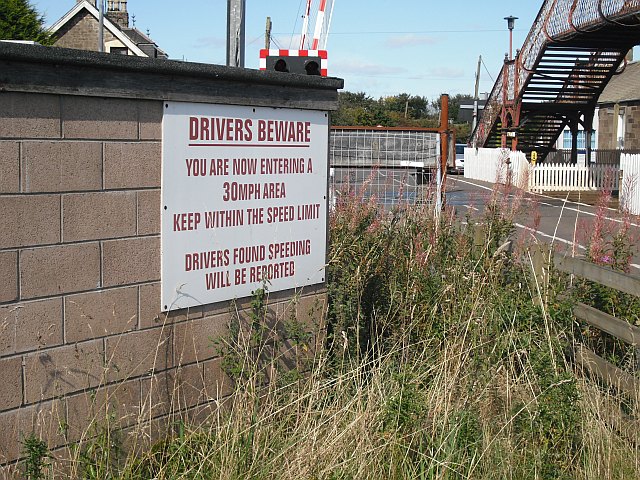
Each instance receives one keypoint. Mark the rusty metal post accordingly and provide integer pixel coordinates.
(505, 102)
(517, 102)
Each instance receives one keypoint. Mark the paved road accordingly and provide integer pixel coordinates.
(549, 219)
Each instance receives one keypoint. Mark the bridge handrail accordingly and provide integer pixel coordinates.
(557, 21)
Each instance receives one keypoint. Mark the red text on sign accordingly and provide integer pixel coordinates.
(220, 129)
(217, 280)
(206, 260)
(283, 131)
(272, 271)
(186, 221)
(234, 191)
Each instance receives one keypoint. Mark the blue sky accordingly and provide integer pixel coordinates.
(420, 47)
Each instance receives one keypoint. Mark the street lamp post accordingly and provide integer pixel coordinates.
(511, 21)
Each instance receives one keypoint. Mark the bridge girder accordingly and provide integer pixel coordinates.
(556, 78)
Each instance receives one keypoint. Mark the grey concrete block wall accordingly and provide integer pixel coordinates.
(80, 319)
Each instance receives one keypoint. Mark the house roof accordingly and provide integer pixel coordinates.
(108, 24)
(143, 40)
(624, 87)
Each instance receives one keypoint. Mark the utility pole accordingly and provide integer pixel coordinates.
(235, 33)
(267, 34)
(101, 27)
(475, 97)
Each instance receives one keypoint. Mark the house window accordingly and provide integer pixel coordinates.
(119, 50)
(582, 140)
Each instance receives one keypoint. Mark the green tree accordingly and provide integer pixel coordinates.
(359, 109)
(409, 106)
(19, 20)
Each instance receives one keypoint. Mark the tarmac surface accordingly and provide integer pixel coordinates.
(559, 221)
(566, 222)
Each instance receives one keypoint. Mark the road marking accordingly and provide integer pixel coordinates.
(538, 232)
(563, 207)
(617, 220)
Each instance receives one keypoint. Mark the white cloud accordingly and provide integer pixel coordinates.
(346, 66)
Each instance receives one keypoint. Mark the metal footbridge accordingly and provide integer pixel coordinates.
(571, 52)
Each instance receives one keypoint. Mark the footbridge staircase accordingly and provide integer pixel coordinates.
(571, 52)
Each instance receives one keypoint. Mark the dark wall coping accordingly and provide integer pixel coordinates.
(34, 68)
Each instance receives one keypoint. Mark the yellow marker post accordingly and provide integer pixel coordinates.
(534, 157)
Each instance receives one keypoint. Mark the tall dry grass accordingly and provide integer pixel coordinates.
(443, 359)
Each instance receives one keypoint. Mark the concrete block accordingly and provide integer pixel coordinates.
(139, 438)
(132, 165)
(138, 353)
(44, 420)
(61, 166)
(29, 115)
(10, 383)
(9, 166)
(115, 406)
(128, 261)
(150, 114)
(99, 118)
(59, 371)
(194, 341)
(30, 326)
(99, 314)
(29, 220)
(9, 277)
(59, 269)
(173, 391)
(151, 314)
(218, 383)
(148, 212)
(92, 216)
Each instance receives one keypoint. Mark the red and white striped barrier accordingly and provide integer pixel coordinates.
(264, 53)
(319, 22)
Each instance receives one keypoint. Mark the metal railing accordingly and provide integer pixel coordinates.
(388, 164)
(557, 21)
(598, 156)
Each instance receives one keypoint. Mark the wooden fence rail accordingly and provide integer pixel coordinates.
(620, 329)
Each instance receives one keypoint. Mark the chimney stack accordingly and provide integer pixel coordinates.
(117, 12)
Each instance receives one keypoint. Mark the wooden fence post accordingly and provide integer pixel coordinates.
(541, 260)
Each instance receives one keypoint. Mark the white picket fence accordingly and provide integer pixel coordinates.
(490, 165)
(630, 187)
(562, 177)
(496, 166)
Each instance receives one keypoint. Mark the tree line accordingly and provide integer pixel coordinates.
(403, 110)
